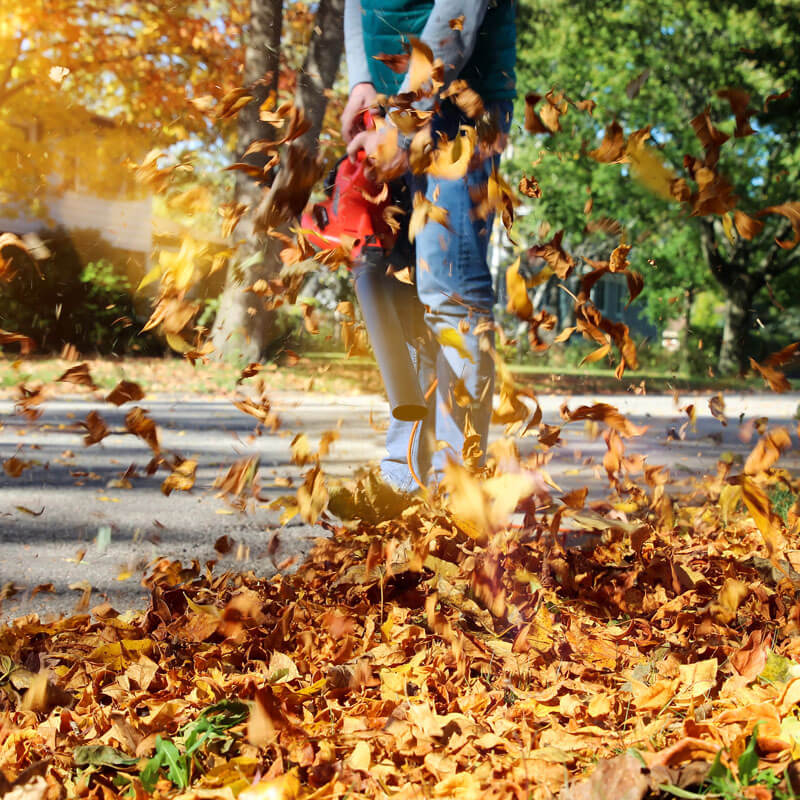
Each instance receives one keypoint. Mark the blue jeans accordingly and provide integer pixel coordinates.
(454, 286)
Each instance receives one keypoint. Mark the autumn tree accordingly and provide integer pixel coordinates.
(148, 72)
(662, 65)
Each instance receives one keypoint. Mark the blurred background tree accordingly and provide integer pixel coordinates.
(661, 64)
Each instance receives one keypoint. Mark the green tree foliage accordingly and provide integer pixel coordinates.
(661, 65)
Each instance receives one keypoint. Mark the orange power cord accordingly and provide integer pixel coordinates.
(431, 390)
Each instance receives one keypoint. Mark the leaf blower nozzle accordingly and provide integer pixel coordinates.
(377, 295)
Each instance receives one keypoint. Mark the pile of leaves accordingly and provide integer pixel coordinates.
(466, 648)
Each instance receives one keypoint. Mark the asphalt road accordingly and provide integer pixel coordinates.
(70, 521)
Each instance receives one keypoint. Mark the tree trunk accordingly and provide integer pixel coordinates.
(244, 328)
(740, 287)
(688, 303)
(736, 330)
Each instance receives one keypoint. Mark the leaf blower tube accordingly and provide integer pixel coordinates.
(353, 213)
(377, 295)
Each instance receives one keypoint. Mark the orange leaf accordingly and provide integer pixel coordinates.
(125, 392)
(420, 66)
(792, 212)
(760, 510)
(767, 451)
(79, 375)
(612, 148)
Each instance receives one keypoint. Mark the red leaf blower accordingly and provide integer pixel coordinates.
(348, 212)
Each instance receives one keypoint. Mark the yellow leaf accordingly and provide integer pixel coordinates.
(423, 212)
(542, 276)
(732, 594)
(386, 629)
(178, 343)
(599, 706)
(318, 686)
(450, 337)
(285, 787)
(152, 275)
(728, 499)
(451, 159)
(655, 697)
(281, 668)
(360, 759)
(115, 654)
(420, 66)
(518, 301)
(209, 610)
(647, 166)
(596, 355)
(289, 513)
(182, 477)
(727, 226)
(697, 679)
(505, 492)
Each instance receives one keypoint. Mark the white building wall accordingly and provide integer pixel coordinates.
(126, 224)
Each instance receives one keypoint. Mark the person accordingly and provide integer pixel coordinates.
(476, 42)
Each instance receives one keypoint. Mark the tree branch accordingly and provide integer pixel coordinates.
(720, 268)
(9, 93)
(11, 65)
(786, 264)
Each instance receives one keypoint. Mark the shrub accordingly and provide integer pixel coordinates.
(60, 300)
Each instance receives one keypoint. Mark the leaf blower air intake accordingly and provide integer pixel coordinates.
(348, 215)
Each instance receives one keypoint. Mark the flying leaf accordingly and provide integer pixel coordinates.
(420, 67)
(518, 301)
(767, 451)
(716, 405)
(635, 86)
(776, 379)
(612, 148)
(792, 212)
(529, 186)
(450, 337)
(747, 227)
(423, 212)
(648, 167)
(79, 375)
(561, 262)
(181, 478)
(533, 124)
(397, 62)
(138, 423)
(96, 429)
(26, 344)
(739, 101)
(125, 392)
(608, 414)
(761, 511)
(451, 158)
(233, 102)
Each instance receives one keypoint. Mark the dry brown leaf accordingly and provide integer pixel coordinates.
(125, 392)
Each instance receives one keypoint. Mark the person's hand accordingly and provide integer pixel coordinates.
(362, 97)
(386, 158)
